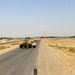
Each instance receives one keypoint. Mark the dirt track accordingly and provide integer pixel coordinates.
(53, 62)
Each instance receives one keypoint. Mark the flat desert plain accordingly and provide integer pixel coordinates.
(57, 56)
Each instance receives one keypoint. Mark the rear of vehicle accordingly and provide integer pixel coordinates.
(34, 45)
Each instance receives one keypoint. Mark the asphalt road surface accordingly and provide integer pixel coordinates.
(19, 61)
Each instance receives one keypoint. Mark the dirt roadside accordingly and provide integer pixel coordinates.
(54, 62)
(8, 49)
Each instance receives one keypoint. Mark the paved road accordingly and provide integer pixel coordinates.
(19, 62)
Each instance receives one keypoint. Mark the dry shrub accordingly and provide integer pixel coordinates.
(4, 47)
(15, 44)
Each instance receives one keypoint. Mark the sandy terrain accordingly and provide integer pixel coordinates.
(8, 49)
(4, 41)
(53, 61)
(66, 44)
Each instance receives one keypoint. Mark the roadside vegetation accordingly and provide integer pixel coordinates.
(15, 44)
(4, 47)
(65, 44)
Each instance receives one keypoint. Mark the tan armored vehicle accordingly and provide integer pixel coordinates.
(28, 43)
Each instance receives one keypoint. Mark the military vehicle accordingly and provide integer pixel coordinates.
(28, 43)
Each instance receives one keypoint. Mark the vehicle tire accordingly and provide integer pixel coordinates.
(34, 46)
(21, 46)
(30, 46)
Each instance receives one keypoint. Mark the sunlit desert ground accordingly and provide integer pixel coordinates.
(66, 44)
(57, 56)
(7, 45)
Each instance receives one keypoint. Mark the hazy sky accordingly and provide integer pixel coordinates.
(21, 18)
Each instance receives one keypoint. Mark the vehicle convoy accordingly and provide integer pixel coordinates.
(28, 43)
